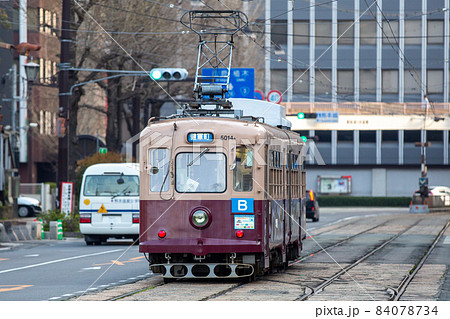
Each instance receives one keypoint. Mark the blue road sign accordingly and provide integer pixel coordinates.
(242, 81)
(327, 117)
(423, 181)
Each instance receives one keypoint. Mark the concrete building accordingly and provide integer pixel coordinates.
(372, 63)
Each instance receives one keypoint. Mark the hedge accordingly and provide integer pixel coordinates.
(333, 201)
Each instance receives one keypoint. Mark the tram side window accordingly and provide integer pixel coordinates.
(243, 171)
(159, 166)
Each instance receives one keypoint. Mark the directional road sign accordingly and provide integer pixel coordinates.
(423, 181)
(242, 81)
(327, 117)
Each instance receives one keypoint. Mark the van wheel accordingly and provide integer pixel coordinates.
(89, 243)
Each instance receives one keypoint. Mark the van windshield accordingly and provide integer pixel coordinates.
(111, 185)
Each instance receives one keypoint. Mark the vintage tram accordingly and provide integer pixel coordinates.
(221, 193)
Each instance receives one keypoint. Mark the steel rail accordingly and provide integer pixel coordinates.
(330, 280)
(399, 291)
(300, 259)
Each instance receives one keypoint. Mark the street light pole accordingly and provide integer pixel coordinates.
(63, 138)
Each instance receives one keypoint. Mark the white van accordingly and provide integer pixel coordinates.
(109, 202)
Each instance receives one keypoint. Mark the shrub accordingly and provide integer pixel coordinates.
(335, 201)
(70, 222)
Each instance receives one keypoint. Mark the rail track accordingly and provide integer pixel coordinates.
(329, 281)
(308, 290)
(302, 259)
(398, 292)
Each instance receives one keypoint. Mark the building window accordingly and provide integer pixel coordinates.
(345, 136)
(390, 32)
(345, 32)
(435, 81)
(301, 84)
(345, 82)
(413, 32)
(48, 22)
(278, 80)
(390, 81)
(368, 30)
(435, 30)
(435, 136)
(301, 32)
(412, 136)
(367, 137)
(367, 81)
(47, 122)
(323, 81)
(323, 32)
(389, 136)
(323, 136)
(412, 82)
(279, 31)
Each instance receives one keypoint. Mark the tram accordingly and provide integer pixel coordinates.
(221, 196)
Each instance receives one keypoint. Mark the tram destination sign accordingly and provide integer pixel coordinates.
(201, 137)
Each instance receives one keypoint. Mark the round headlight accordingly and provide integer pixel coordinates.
(200, 218)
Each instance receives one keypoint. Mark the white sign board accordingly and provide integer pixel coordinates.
(334, 185)
(66, 197)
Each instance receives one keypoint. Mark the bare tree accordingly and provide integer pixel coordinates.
(141, 35)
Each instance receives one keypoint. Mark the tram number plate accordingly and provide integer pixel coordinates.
(227, 137)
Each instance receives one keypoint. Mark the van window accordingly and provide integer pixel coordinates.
(243, 170)
(159, 166)
(111, 185)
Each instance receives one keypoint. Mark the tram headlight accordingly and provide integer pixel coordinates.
(200, 218)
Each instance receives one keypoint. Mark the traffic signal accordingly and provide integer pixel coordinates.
(168, 74)
(302, 115)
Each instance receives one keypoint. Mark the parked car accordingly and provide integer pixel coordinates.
(438, 196)
(312, 206)
(28, 206)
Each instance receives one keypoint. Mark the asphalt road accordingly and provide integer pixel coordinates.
(57, 270)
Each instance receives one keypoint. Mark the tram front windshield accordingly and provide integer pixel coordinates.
(200, 172)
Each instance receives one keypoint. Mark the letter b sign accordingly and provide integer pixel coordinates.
(242, 205)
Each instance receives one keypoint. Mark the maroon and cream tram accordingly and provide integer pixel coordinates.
(221, 194)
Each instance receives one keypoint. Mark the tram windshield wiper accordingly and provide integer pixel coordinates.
(198, 157)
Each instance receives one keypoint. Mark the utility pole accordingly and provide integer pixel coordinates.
(423, 144)
(23, 86)
(64, 86)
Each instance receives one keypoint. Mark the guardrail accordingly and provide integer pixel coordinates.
(367, 108)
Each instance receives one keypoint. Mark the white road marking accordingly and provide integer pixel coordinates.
(446, 240)
(33, 255)
(59, 260)
(90, 268)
